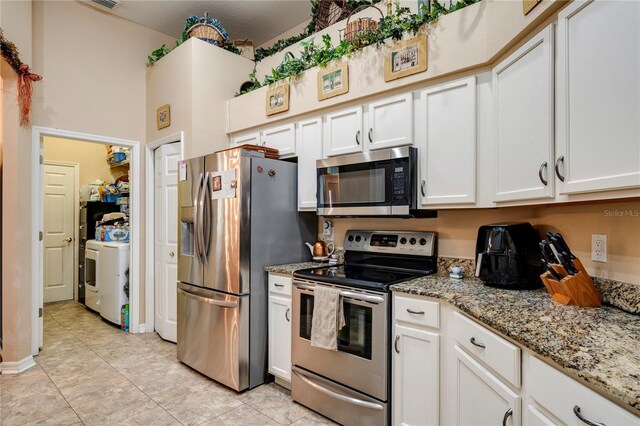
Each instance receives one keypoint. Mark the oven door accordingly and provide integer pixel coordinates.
(361, 359)
(377, 183)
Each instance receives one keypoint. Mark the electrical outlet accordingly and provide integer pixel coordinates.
(599, 248)
(327, 230)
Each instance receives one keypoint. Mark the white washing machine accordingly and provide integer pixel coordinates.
(114, 263)
(106, 264)
(91, 275)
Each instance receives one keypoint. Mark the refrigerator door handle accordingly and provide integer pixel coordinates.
(207, 217)
(199, 231)
(221, 303)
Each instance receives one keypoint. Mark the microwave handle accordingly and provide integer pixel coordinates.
(336, 395)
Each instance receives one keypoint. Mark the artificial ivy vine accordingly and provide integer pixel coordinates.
(393, 26)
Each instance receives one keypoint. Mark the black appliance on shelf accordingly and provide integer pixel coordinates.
(90, 213)
(508, 256)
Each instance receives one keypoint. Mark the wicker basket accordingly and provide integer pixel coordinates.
(354, 30)
(207, 32)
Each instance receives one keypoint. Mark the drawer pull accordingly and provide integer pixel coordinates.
(395, 343)
(286, 315)
(478, 344)
(411, 311)
(506, 416)
(279, 285)
(583, 419)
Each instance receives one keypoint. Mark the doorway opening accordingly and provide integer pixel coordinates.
(86, 205)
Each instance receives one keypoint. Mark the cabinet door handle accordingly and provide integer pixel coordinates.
(422, 188)
(358, 137)
(583, 419)
(370, 138)
(395, 343)
(542, 167)
(560, 160)
(411, 311)
(478, 344)
(279, 285)
(508, 414)
(286, 315)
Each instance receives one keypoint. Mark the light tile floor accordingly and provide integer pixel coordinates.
(90, 372)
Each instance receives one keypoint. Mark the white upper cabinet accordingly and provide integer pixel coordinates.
(447, 143)
(343, 132)
(282, 138)
(246, 138)
(523, 125)
(309, 148)
(598, 96)
(390, 122)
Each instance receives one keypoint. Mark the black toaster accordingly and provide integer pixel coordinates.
(508, 256)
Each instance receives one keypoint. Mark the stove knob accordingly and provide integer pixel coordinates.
(358, 238)
(423, 241)
(350, 238)
(412, 241)
(403, 240)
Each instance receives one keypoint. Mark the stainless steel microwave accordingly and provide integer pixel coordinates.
(375, 183)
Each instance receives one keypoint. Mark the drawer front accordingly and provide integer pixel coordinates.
(416, 311)
(560, 395)
(280, 284)
(501, 356)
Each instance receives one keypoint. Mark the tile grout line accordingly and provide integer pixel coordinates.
(54, 383)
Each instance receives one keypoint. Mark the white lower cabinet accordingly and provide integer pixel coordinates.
(280, 326)
(416, 362)
(569, 401)
(481, 398)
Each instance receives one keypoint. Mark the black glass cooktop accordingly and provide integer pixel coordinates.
(357, 276)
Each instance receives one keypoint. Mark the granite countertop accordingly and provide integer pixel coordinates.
(292, 267)
(600, 346)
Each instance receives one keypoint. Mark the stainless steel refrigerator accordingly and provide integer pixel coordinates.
(237, 214)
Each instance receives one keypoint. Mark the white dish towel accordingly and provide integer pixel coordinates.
(328, 318)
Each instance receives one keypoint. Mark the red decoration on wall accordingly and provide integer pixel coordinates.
(9, 53)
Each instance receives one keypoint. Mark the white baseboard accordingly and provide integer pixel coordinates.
(16, 367)
(142, 328)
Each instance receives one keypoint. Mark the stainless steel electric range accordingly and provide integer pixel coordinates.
(352, 385)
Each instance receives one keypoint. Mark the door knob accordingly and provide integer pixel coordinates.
(68, 240)
(171, 254)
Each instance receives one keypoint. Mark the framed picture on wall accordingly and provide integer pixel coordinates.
(405, 58)
(333, 81)
(277, 99)
(163, 116)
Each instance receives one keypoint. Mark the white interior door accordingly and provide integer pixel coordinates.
(59, 191)
(166, 236)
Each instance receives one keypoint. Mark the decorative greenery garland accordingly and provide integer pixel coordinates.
(190, 22)
(393, 26)
(280, 45)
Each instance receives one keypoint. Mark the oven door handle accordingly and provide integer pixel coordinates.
(345, 398)
(351, 294)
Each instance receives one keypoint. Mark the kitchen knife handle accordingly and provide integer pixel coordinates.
(558, 161)
(542, 167)
(583, 419)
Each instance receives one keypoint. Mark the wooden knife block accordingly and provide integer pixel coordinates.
(576, 289)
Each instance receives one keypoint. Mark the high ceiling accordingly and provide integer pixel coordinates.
(258, 20)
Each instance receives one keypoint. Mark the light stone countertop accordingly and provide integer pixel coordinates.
(599, 346)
